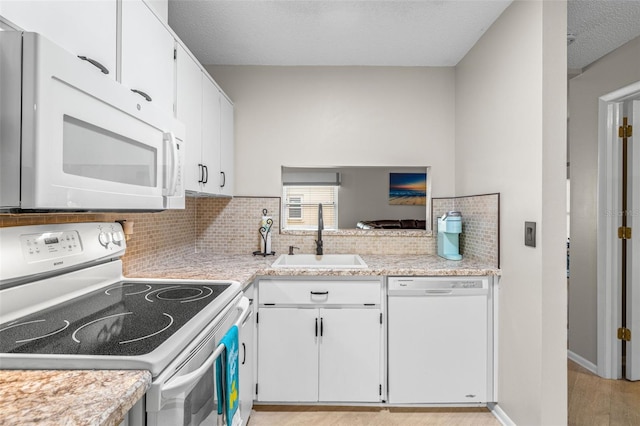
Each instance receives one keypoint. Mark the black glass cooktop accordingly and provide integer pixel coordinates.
(123, 319)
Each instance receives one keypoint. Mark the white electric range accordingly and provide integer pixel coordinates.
(64, 304)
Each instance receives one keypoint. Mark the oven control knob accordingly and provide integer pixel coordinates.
(118, 237)
(104, 239)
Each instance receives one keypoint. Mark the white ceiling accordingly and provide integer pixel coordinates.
(376, 32)
(600, 26)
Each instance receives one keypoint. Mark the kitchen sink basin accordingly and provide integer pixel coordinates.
(326, 261)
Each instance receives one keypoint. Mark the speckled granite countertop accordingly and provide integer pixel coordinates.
(63, 397)
(245, 268)
(103, 397)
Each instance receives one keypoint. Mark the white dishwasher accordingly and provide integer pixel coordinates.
(440, 340)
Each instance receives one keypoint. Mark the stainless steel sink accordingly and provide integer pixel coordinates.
(326, 261)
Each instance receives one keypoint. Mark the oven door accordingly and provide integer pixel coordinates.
(89, 143)
(185, 393)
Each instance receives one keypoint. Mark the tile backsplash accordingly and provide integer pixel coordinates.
(231, 225)
(480, 238)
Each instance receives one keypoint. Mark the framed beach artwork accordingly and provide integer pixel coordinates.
(408, 189)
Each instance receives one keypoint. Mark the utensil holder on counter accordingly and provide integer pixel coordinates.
(265, 236)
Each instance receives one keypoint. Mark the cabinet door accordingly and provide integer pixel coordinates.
(287, 355)
(86, 28)
(189, 111)
(226, 147)
(350, 355)
(147, 54)
(246, 367)
(210, 137)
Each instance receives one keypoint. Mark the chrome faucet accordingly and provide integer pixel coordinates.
(320, 227)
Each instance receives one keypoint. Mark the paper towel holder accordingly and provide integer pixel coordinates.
(264, 234)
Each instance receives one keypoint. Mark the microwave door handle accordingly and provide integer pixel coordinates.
(95, 63)
(141, 93)
(175, 387)
(173, 182)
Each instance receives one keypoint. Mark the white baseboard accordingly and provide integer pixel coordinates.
(499, 414)
(584, 363)
(504, 419)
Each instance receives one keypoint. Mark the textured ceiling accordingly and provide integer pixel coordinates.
(382, 32)
(333, 32)
(600, 26)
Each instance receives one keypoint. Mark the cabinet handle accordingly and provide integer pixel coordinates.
(201, 173)
(244, 351)
(316, 327)
(141, 93)
(320, 293)
(321, 327)
(224, 180)
(95, 64)
(205, 179)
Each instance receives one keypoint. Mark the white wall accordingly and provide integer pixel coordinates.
(510, 138)
(367, 192)
(618, 69)
(508, 97)
(339, 116)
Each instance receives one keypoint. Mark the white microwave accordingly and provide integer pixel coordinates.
(72, 139)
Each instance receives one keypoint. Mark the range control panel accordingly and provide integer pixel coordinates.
(48, 245)
(44, 249)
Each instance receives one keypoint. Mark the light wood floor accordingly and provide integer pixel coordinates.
(592, 402)
(347, 416)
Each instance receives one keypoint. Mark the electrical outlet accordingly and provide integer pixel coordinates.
(530, 234)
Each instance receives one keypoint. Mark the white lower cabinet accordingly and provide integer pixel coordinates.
(245, 335)
(287, 355)
(312, 353)
(350, 355)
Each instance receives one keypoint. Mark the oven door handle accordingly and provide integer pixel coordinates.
(177, 386)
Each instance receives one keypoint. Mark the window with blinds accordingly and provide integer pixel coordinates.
(300, 206)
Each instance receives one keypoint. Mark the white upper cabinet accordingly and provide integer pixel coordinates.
(189, 111)
(85, 28)
(226, 147)
(208, 117)
(147, 55)
(210, 137)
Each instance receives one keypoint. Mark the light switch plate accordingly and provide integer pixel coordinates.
(530, 234)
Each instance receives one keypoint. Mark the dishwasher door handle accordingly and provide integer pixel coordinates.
(438, 292)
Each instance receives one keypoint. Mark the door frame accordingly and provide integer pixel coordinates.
(608, 247)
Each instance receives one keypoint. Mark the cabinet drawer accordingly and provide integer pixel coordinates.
(301, 292)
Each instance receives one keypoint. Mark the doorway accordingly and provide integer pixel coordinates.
(618, 252)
